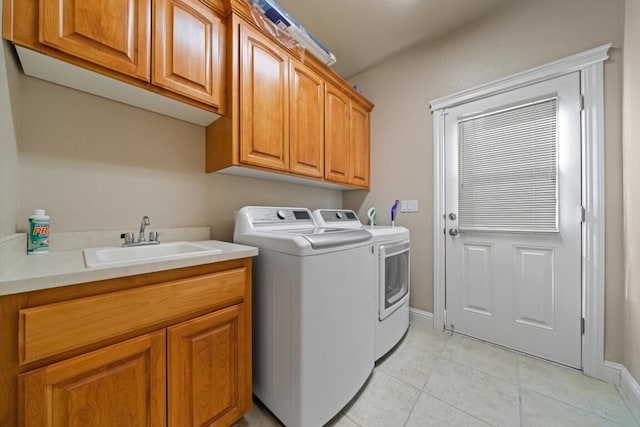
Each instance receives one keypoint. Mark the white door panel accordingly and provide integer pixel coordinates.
(520, 289)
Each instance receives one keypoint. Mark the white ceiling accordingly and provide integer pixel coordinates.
(364, 33)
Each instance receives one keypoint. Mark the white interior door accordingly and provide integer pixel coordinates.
(513, 236)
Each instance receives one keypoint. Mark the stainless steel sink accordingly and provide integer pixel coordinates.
(111, 256)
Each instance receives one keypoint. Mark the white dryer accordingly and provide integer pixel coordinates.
(391, 274)
(313, 339)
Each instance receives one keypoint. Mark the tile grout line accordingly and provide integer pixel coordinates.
(518, 380)
(423, 391)
(458, 408)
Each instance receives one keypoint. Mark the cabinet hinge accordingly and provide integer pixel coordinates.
(581, 102)
(582, 325)
(583, 214)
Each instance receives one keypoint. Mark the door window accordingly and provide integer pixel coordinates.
(507, 165)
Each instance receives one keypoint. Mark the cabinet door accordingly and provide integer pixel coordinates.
(264, 101)
(123, 384)
(337, 135)
(112, 33)
(187, 49)
(209, 382)
(306, 118)
(360, 142)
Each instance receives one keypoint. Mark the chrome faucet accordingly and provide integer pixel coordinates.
(145, 221)
(129, 239)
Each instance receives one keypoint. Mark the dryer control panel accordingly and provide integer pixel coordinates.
(336, 217)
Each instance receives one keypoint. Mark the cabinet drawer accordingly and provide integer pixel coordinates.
(56, 328)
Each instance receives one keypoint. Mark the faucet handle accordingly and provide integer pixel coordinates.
(128, 238)
(153, 236)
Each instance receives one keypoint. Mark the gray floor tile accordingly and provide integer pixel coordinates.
(258, 416)
(575, 389)
(486, 358)
(410, 363)
(542, 411)
(342, 420)
(384, 402)
(489, 398)
(431, 412)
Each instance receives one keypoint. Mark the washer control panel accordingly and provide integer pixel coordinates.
(270, 216)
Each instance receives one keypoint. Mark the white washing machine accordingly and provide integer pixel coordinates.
(313, 339)
(391, 275)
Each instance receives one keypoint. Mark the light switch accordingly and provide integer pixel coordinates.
(408, 206)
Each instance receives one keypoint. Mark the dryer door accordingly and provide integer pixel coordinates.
(393, 277)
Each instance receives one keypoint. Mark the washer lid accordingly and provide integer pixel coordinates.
(322, 238)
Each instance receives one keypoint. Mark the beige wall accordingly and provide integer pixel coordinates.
(96, 164)
(516, 36)
(9, 169)
(631, 138)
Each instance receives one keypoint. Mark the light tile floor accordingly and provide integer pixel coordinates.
(435, 379)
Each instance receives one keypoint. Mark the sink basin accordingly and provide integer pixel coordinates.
(110, 256)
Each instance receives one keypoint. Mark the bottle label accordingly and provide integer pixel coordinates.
(38, 236)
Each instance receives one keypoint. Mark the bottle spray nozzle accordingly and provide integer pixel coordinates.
(394, 208)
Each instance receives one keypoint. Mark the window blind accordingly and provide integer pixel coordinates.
(507, 169)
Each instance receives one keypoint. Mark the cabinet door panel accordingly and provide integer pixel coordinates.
(187, 49)
(205, 356)
(337, 136)
(123, 384)
(264, 102)
(112, 33)
(306, 138)
(359, 146)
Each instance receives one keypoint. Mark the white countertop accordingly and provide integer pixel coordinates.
(55, 269)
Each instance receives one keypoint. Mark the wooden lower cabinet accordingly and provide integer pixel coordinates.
(161, 349)
(123, 384)
(198, 381)
(204, 378)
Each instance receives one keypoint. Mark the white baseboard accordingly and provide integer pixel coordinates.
(613, 373)
(421, 317)
(618, 375)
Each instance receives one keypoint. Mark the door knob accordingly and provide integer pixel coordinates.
(453, 232)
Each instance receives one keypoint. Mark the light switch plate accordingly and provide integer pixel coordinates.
(408, 206)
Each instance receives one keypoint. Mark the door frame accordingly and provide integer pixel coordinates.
(590, 64)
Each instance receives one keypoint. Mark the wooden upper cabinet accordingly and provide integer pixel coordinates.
(360, 146)
(347, 141)
(208, 383)
(123, 384)
(337, 135)
(112, 33)
(306, 121)
(188, 41)
(288, 115)
(264, 101)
